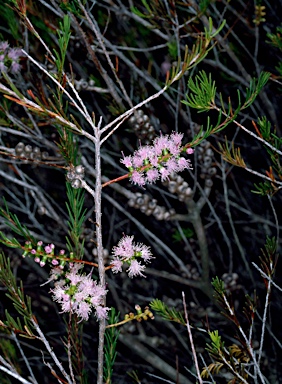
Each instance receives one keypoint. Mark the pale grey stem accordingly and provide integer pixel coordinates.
(264, 319)
(95, 29)
(191, 340)
(14, 338)
(256, 365)
(50, 113)
(50, 351)
(264, 275)
(249, 132)
(15, 375)
(83, 111)
(99, 241)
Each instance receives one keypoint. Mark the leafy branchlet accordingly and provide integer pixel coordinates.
(169, 314)
(76, 216)
(21, 303)
(111, 338)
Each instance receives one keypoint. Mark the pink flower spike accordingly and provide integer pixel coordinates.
(171, 165)
(117, 266)
(164, 174)
(146, 254)
(137, 161)
(125, 247)
(14, 53)
(127, 161)
(160, 144)
(152, 175)
(4, 45)
(102, 312)
(138, 178)
(183, 164)
(15, 67)
(176, 138)
(83, 310)
(135, 269)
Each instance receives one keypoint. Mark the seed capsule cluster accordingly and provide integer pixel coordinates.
(83, 84)
(75, 175)
(177, 185)
(150, 207)
(192, 272)
(29, 152)
(142, 127)
(230, 281)
(205, 158)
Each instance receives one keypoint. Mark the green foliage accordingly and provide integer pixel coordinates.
(68, 146)
(167, 313)
(177, 236)
(21, 303)
(202, 97)
(276, 38)
(172, 49)
(12, 221)
(265, 188)
(141, 14)
(203, 91)
(203, 5)
(269, 257)
(232, 358)
(134, 376)
(254, 89)
(216, 343)
(10, 18)
(218, 285)
(111, 337)
(76, 218)
(198, 52)
(12, 85)
(63, 40)
(72, 6)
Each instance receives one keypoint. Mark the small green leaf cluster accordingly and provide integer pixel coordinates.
(202, 92)
(21, 303)
(202, 97)
(76, 214)
(276, 38)
(12, 221)
(169, 314)
(63, 40)
(111, 337)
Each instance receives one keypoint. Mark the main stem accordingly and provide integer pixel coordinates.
(101, 269)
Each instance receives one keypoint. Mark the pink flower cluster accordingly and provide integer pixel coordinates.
(42, 254)
(151, 162)
(9, 58)
(78, 293)
(128, 252)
